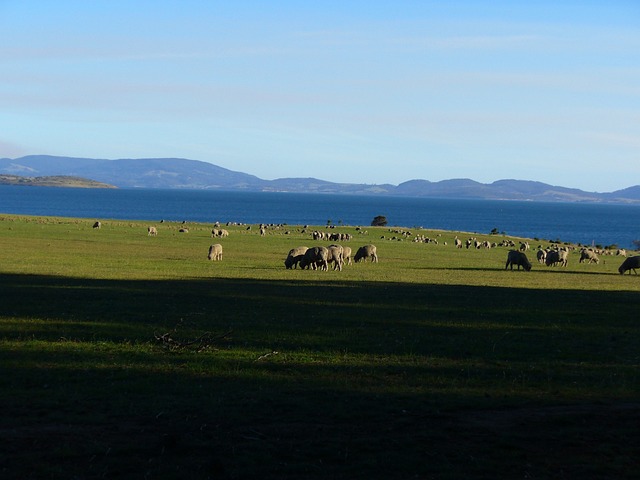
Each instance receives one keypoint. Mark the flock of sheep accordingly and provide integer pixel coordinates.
(314, 258)
(555, 255)
(321, 257)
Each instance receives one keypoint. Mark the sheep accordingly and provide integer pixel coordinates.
(589, 255)
(219, 233)
(514, 257)
(294, 257)
(151, 231)
(631, 263)
(457, 242)
(97, 225)
(346, 255)
(524, 246)
(541, 255)
(335, 256)
(555, 257)
(365, 252)
(315, 257)
(215, 252)
(622, 252)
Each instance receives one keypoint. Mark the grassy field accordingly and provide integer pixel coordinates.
(129, 356)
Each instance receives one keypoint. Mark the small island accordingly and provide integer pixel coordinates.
(52, 181)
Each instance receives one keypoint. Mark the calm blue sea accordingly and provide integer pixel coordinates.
(570, 222)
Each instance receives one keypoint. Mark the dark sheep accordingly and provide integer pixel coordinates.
(629, 264)
(519, 259)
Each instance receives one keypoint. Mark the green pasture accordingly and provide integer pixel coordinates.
(129, 356)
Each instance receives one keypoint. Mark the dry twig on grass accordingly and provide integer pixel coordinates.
(262, 357)
(203, 342)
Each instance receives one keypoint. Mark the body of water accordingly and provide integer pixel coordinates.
(601, 224)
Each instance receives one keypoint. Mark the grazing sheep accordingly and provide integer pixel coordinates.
(365, 252)
(294, 257)
(346, 255)
(315, 257)
(219, 233)
(184, 230)
(519, 259)
(563, 256)
(622, 252)
(151, 231)
(97, 225)
(588, 255)
(631, 263)
(524, 246)
(541, 255)
(215, 252)
(457, 242)
(555, 257)
(335, 256)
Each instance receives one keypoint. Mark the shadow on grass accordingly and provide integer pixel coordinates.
(315, 315)
(370, 380)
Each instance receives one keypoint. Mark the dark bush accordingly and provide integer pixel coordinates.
(379, 221)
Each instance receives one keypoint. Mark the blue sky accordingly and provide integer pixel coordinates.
(355, 92)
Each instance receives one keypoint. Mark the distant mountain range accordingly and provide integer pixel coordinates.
(172, 173)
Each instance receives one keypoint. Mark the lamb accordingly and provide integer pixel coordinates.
(519, 259)
(215, 252)
(631, 263)
(151, 231)
(294, 257)
(367, 251)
